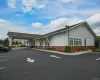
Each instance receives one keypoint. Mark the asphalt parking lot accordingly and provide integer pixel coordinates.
(28, 64)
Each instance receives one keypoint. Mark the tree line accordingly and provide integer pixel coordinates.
(5, 42)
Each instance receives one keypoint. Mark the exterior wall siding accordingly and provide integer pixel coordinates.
(59, 41)
(81, 32)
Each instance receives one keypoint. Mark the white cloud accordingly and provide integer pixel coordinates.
(41, 6)
(29, 4)
(6, 26)
(12, 3)
(55, 24)
(67, 1)
(94, 21)
(32, 12)
(19, 14)
(57, 9)
(97, 31)
(37, 25)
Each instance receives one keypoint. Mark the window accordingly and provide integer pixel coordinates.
(77, 42)
(80, 42)
(71, 42)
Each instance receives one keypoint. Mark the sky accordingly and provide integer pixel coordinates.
(43, 16)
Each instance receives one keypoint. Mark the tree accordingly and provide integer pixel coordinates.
(6, 42)
(20, 43)
(13, 43)
(17, 42)
(1, 42)
(98, 38)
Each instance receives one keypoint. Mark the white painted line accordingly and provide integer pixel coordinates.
(30, 60)
(3, 56)
(54, 56)
(98, 59)
(2, 68)
(26, 72)
(57, 57)
(4, 60)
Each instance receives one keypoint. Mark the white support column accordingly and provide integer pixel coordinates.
(24, 43)
(35, 43)
(27, 43)
(43, 43)
(30, 43)
(48, 41)
(10, 41)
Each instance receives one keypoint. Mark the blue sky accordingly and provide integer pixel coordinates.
(43, 16)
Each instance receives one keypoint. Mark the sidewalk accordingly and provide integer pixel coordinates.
(63, 53)
(17, 48)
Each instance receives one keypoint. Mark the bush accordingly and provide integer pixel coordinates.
(84, 49)
(96, 50)
(67, 49)
(51, 49)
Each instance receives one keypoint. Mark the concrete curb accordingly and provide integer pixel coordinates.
(63, 53)
(96, 52)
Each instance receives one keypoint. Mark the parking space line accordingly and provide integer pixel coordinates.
(4, 60)
(54, 56)
(3, 56)
(2, 68)
(98, 59)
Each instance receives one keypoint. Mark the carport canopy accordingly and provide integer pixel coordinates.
(17, 35)
(26, 36)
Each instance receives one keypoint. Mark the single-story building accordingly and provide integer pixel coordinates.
(78, 36)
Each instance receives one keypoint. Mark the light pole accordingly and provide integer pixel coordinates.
(85, 41)
(68, 35)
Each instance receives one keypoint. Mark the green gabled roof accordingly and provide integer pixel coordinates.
(65, 29)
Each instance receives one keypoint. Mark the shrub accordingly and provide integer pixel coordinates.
(84, 49)
(51, 49)
(96, 50)
(67, 49)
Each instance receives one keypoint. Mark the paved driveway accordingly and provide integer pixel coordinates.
(49, 66)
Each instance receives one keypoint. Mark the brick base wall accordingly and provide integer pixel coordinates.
(61, 48)
(77, 48)
(58, 48)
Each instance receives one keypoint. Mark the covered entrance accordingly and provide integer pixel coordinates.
(27, 38)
